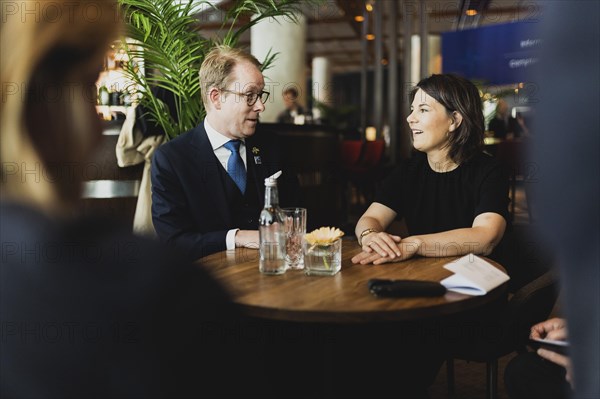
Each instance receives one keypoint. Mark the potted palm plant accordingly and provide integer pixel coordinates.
(171, 46)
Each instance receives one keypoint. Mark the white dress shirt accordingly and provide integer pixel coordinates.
(217, 141)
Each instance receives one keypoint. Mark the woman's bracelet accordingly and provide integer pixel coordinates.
(364, 233)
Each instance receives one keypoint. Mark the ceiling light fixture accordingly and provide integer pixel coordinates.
(369, 6)
(370, 36)
(359, 18)
(471, 12)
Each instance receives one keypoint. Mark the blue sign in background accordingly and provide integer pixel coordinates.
(497, 54)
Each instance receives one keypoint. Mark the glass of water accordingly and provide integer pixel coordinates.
(294, 220)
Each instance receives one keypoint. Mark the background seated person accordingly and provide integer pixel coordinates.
(206, 195)
(453, 197)
(505, 126)
(292, 108)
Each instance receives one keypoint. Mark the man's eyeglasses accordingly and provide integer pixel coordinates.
(251, 98)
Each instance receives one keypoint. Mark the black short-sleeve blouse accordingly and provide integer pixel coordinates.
(433, 202)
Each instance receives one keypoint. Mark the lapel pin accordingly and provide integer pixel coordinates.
(257, 160)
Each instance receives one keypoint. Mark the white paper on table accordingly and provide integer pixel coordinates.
(473, 276)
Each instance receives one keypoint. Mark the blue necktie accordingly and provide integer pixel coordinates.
(235, 165)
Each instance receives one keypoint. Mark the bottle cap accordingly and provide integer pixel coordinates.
(271, 181)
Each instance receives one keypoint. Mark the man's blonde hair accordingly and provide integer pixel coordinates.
(217, 67)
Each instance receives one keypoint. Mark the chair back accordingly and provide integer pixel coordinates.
(109, 190)
(509, 153)
(372, 153)
(350, 152)
(508, 330)
(532, 304)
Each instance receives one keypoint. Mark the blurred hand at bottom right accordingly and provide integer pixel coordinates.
(554, 329)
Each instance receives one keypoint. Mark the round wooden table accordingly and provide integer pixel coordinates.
(343, 298)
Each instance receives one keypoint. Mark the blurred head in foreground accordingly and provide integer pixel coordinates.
(114, 302)
(48, 122)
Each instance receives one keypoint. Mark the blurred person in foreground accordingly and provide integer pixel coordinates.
(208, 184)
(566, 154)
(87, 310)
(545, 374)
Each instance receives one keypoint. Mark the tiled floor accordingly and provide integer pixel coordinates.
(469, 380)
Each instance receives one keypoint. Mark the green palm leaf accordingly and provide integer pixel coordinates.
(172, 51)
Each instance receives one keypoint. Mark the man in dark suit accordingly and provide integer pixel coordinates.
(208, 184)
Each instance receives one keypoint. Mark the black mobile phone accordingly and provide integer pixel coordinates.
(405, 288)
(561, 347)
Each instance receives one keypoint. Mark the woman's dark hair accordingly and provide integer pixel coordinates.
(458, 94)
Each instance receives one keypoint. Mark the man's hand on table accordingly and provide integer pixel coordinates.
(247, 239)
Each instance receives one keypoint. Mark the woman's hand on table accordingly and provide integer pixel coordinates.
(385, 248)
(383, 243)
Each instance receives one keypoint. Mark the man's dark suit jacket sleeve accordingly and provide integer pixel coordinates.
(170, 214)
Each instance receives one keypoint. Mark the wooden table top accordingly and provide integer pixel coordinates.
(343, 298)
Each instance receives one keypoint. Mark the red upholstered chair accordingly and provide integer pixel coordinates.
(368, 170)
(372, 154)
(350, 152)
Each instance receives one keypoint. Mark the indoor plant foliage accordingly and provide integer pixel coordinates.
(173, 49)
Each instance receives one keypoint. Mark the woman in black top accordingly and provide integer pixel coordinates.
(452, 196)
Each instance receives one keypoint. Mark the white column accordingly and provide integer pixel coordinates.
(408, 15)
(283, 36)
(415, 59)
(434, 58)
(321, 83)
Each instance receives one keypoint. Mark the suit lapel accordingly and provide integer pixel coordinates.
(209, 170)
